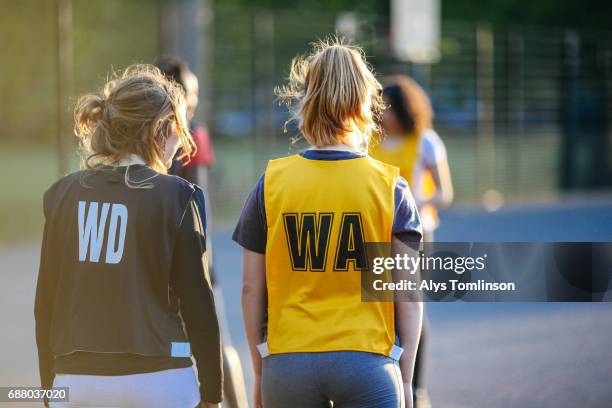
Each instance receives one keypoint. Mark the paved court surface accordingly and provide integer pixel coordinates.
(482, 354)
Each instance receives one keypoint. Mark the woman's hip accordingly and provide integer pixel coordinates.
(160, 389)
(348, 378)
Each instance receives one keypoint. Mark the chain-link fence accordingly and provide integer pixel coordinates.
(525, 112)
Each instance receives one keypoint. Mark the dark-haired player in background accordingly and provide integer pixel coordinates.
(411, 144)
(196, 171)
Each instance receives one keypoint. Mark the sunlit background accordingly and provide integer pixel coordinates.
(522, 93)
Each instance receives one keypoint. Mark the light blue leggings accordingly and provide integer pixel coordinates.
(351, 379)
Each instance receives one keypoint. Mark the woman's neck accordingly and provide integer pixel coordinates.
(340, 147)
(350, 143)
(130, 160)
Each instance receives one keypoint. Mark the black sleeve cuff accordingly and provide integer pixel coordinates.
(213, 398)
(410, 237)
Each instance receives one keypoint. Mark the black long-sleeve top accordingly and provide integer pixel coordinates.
(188, 285)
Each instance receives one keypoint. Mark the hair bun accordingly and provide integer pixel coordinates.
(97, 107)
(88, 113)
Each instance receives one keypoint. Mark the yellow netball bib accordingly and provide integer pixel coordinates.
(319, 214)
(405, 157)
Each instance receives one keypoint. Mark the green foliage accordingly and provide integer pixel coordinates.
(26, 174)
(312, 6)
(559, 13)
(27, 87)
(110, 33)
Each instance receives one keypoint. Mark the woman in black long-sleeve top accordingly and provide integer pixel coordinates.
(124, 296)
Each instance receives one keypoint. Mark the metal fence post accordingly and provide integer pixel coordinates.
(514, 115)
(183, 26)
(64, 68)
(486, 108)
(569, 119)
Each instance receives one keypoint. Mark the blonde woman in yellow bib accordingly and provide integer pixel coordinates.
(303, 229)
(415, 148)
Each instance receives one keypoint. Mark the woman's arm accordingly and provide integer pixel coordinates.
(43, 313)
(409, 318)
(435, 162)
(43, 306)
(254, 300)
(409, 321)
(440, 173)
(191, 281)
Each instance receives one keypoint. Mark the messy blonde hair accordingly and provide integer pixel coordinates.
(332, 93)
(135, 113)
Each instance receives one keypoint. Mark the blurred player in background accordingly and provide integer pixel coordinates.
(304, 228)
(195, 171)
(411, 144)
(123, 296)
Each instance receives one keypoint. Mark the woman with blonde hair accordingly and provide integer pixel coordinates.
(123, 296)
(303, 229)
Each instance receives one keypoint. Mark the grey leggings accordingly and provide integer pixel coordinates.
(350, 379)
